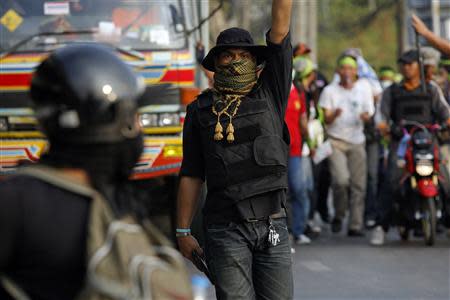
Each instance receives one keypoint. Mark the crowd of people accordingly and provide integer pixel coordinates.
(341, 137)
(270, 123)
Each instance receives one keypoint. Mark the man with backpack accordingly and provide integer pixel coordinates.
(69, 224)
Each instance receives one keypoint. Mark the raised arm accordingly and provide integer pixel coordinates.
(436, 41)
(281, 19)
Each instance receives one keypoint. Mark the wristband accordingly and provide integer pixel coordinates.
(181, 234)
(183, 230)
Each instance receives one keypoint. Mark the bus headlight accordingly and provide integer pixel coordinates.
(169, 119)
(424, 168)
(3, 124)
(148, 120)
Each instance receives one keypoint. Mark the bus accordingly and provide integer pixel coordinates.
(151, 36)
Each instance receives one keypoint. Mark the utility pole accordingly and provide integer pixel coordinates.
(204, 35)
(304, 20)
(313, 27)
(372, 5)
(296, 21)
(402, 26)
(436, 16)
(204, 32)
(245, 14)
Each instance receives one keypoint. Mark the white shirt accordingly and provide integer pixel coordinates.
(359, 99)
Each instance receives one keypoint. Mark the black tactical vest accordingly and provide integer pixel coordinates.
(415, 106)
(256, 162)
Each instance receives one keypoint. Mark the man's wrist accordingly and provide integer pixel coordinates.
(182, 232)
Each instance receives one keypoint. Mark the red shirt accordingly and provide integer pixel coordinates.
(296, 107)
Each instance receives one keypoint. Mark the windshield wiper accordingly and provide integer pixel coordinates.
(26, 40)
(130, 52)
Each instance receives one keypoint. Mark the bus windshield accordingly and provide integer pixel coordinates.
(133, 24)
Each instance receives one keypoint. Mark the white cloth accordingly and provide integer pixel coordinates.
(353, 102)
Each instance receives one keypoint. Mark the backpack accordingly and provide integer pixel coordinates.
(125, 259)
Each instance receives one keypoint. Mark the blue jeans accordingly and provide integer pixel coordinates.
(300, 183)
(244, 265)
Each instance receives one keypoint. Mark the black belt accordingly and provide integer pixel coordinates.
(278, 215)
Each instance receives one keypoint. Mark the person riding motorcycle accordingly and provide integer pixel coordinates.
(85, 99)
(429, 109)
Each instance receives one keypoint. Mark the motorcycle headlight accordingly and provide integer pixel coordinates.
(169, 119)
(148, 120)
(424, 168)
(3, 124)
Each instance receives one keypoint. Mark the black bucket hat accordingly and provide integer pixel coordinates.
(234, 38)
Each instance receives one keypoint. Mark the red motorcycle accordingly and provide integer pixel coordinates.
(422, 179)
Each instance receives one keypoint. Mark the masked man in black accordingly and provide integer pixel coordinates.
(235, 139)
(85, 99)
(433, 109)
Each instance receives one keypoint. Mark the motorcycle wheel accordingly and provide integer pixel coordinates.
(429, 221)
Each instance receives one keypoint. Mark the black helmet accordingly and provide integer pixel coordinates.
(84, 94)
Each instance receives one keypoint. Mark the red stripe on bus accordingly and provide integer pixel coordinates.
(15, 79)
(178, 75)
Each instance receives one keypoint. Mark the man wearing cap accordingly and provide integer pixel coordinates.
(348, 104)
(403, 92)
(235, 139)
(444, 83)
(431, 59)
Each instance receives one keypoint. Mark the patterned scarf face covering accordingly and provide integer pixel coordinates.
(231, 83)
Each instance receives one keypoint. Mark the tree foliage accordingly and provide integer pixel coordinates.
(366, 24)
(354, 24)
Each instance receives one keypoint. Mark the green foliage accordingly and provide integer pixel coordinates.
(352, 24)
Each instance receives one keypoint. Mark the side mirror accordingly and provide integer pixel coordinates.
(177, 19)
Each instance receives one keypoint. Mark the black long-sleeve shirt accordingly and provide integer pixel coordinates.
(43, 232)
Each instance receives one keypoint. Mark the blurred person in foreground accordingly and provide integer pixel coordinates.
(85, 99)
(235, 138)
(409, 88)
(348, 105)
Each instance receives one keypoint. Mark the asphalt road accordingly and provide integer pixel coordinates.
(339, 267)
